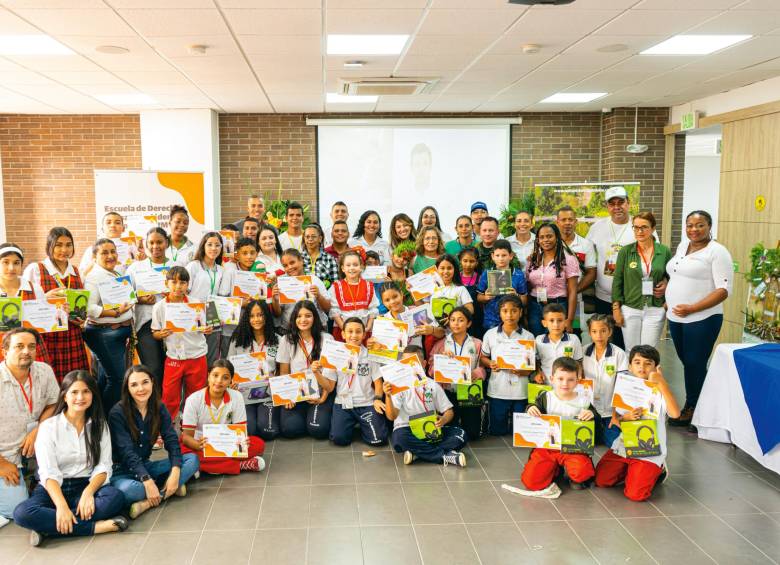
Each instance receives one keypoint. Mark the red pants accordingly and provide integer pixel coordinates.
(640, 475)
(543, 465)
(193, 372)
(226, 465)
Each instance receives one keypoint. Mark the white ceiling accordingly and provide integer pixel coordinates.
(268, 56)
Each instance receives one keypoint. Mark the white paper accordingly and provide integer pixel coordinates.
(633, 392)
(249, 284)
(116, 292)
(402, 375)
(292, 289)
(452, 370)
(138, 225)
(518, 354)
(150, 282)
(185, 316)
(226, 440)
(390, 337)
(296, 387)
(423, 283)
(228, 309)
(417, 316)
(532, 431)
(375, 273)
(45, 315)
(339, 356)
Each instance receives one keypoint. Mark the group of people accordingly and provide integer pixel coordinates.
(80, 407)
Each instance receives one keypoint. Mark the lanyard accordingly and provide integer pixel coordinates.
(165, 264)
(305, 352)
(212, 279)
(421, 396)
(175, 250)
(28, 399)
(352, 295)
(219, 413)
(617, 238)
(455, 346)
(645, 262)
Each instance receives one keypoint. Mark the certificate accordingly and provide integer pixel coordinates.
(248, 284)
(151, 282)
(248, 366)
(416, 317)
(229, 238)
(225, 440)
(46, 315)
(633, 392)
(403, 375)
(116, 292)
(422, 285)
(292, 289)
(340, 357)
(228, 309)
(126, 249)
(531, 431)
(517, 354)
(138, 225)
(295, 387)
(584, 390)
(375, 273)
(389, 338)
(185, 317)
(452, 370)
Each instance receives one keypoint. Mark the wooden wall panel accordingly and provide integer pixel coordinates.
(738, 192)
(751, 144)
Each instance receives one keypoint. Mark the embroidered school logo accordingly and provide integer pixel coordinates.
(568, 351)
(610, 369)
(632, 264)
(363, 370)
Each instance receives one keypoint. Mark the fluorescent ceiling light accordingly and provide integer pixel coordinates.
(32, 45)
(366, 44)
(694, 44)
(572, 97)
(133, 99)
(335, 98)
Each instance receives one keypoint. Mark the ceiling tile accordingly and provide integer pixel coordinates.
(654, 63)
(311, 61)
(535, 25)
(374, 4)
(45, 63)
(589, 5)
(284, 102)
(290, 80)
(275, 22)
(179, 46)
(453, 61)
(78, 78)
(757, 5)
(655, 22)
(389, 104)
(448, 44)
(22, 76)
(609, 81)
(54, 4)
(373, 21)
(371, 63)
(272, 4)
(752, 22)
(456, 104)
(162, 4)
(282, 44)
(144, 78)
(170, 23)
(103, 22)
(467, 22)
(689, 4)
(11, 24)
(746, 54)
(481, 5)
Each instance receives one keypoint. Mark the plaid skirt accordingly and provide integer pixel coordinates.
(66, 351)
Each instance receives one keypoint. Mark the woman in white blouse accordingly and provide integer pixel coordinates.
(368, 235)
(108, 329)
(270, 254)
(73, 450)
(700, 279)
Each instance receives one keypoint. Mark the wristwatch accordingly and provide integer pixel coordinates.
(145, 477)
(378, 397)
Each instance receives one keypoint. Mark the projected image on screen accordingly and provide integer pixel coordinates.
(404, 169)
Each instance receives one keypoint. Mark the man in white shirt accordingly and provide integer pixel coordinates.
(293, 237)
(28, 394)
(338, 213)
(255, 208)
(566, 219)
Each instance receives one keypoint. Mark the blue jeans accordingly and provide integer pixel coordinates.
(452, 439)
(38, 512)
(262, 420)
(373, 426)
(607, 435)
(535, 313)
(134, 490)
(500, 414)
(110, 346)
(12, 495)
(305, 418)
(693, 342)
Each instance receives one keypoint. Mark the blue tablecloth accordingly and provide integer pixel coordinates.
(759, 372)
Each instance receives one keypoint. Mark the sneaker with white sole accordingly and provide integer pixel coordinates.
(36, 538)
(409, 457)
(457, 458)
(255, 464)
(4, 521)
(664, 474)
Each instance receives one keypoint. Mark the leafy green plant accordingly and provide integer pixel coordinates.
(506, 220)
(763, 263)
(276, 210)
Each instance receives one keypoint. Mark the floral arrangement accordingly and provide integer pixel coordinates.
(276, 210)
(506, 221)
(762, 318)
(406, 250)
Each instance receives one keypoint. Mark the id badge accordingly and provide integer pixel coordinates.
(541, 294)
(647, 286)
(346, 402)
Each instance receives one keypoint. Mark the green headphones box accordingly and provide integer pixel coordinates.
(442, 307)
(471, 394)
(10, 313)
(640, 438)
(77, 301)
(534, 390)
(577, 436)
(423, 426)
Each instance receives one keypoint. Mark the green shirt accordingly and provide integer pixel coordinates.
(454, 247)
(421, 262)
(629, 272)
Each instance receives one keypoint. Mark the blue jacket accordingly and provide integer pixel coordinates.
(129, 456)
(492, 319)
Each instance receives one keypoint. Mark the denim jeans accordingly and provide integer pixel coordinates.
(453, 439)
(159, 470)
(11, 496)
(500, 414)
(110, 346)
(693, 342)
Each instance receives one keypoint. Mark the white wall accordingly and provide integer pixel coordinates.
(185, 141)
(701, 180)
(2, 204)
(744, 97)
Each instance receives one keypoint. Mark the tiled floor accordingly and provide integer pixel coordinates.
(320, 504)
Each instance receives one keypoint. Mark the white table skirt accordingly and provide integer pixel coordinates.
(722, 414)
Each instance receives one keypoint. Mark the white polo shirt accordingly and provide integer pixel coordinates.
(360, 387)
(183, 255)
(198, 410)
(269, 365)
(522, 250)
(180, 346)
(143, 312)
(424, 398)
(288, 241)
(297, 361)
(548, 351)
(381, 247)
(602, 372)
(207, 282)
(504, 384)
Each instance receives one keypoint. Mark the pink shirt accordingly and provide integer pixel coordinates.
(547, 277)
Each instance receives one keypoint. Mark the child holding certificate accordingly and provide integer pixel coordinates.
(507, 389)
(218, 404)
(300, 351)
(469, 275)
(256, 333)
(442, 443)
(502, 256)
(640, 474)
(468, 413)
(557, 342)
(245, 259)
(543, 464)
(601, 363)
(358, 395)
(292, 261)
(352, 295)
(452, 289)
(394, 300)
(185, 359)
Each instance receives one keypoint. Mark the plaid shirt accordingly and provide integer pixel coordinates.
(325, 267)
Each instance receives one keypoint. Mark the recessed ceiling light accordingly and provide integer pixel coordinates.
(132, 99)
(112, 49)
(353, 64)
(32, 45)
(694, 44)
(366, 44)
(572, 97)
(335, 98)
(613, 48)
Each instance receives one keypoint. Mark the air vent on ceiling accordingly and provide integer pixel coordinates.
(386, 86)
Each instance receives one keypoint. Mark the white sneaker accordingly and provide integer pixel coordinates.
(4, 521)
(457, 458)
(664, 474)
(260, 464)
(409, 457)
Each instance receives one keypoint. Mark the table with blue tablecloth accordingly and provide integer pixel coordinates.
(740, 401)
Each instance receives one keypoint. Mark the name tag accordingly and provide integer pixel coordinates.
(647, 287)
(541, 294)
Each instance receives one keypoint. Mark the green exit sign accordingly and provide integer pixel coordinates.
(689, 121)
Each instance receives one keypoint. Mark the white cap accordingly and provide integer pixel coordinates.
(615, 192)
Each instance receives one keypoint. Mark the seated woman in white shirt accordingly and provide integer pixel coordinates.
(73, 450)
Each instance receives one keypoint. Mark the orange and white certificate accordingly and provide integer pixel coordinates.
(226, 440)
(293, 289)
(452, 370)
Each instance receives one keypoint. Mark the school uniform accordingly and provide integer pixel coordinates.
(424, 398)
(507, 392)
(205, 283)
(283, 320)
(547, 351)
(491, 317)
(288, 241)
(602, 372)
(354, 404)
(185, 361)
(543, 464)
(459, 293)
(262, 418)
(470, 283)
(348, 300)
(198, 411)
(380, 246)
(183, 254)
(303, 418)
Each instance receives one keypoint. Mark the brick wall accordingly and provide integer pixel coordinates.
(678, 190)
(48, 180)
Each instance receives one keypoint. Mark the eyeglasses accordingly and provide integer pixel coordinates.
(641, 228)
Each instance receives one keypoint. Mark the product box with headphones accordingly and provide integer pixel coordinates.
(423, 426)
(77, 301)
(10, 313)
(470, 394)
(640, 438)
(577, 436)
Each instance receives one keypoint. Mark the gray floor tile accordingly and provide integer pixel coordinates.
(382, 505)
(418, 472)
(471, 472)
(756, 491)
(499, 544)
(377, 469)
(715, 494)
(389, 545)
(721, 542)
(285, 507)
(431, 503)
(290, 469)
(168, 548)
(12, 530)
(235, 508)
(298, 445)
(499, 464)
(523, 508)
(59, 551)
(113, 549)
(617, 503)
(489, 442)
(249, 479)
(334, 504)
(763, 533)
(13, 548)
(666, 543)
(579, 504)
(618, 546)
(333, 468)
(478, 503)
(327, 546)
(553, 542)
(280, 547)
(224, 547)
(189, 516)
(445, 545)
(671, 500)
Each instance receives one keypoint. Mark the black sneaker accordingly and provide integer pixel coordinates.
(685, 418)
(579, 486)
(664, 474)
(456, 458)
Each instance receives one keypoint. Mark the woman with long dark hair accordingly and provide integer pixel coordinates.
(208, 278)
(73, 450)
(368, 235)
(402, 229)
(429, 217)
(135, 422)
